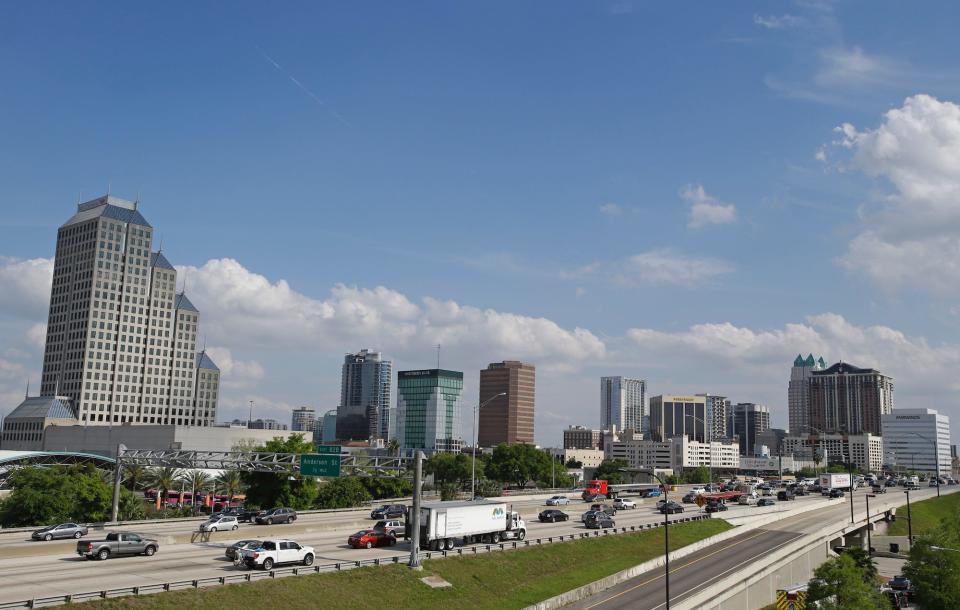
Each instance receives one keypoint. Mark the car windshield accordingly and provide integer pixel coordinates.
(360, 534)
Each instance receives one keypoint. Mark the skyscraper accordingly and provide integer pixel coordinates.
(718, 408)
(672, 416)
(428, 410)
(846, 399)
(303, 419)
(509, 418)
(798, 392)
(121, 342)
(916, 439)
(363, 412)
(622, 402)
(747, 420)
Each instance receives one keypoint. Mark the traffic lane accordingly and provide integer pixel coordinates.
(687, 575)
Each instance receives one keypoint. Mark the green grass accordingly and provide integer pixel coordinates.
(511, 579)
(926, 515)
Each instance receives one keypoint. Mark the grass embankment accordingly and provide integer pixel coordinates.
(926, 515)
(512, 579)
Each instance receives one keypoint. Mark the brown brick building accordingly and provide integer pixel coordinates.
(507, 419)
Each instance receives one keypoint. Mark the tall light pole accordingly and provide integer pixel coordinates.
(936, 457)
(473, 462)
(869, 526)
(250, 419)
(666, 533)
(909, 520)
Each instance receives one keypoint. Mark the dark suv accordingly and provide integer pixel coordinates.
(389, 511)
(276, 515)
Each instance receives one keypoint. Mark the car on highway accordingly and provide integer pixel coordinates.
(836, 493)
(389, 511)
(219, 524)
(801, 490)
(236, 549)
(698, 490)
(650, 493)
(367, 539)
(600, 521)
(785, 494)
(624, 504)
(392, 526)
(671, 508)
(117, 543)
(715, 507)
(766, 502)
(747, 499)
(878, 489)
(558, 501)
(277, 551)
(589, 515)
(689, 498)
(60, 530)
(610, 510)
(552, 515)
(249, 514)
(276, 515)
(235, 511)
(766, 490)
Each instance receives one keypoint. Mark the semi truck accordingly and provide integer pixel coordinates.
(600, 487)
(834, 480)
(443, 523)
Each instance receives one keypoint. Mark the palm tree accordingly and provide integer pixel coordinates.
(394, 447)
(197, 481)
(163, 480)
(230, 483)
(134, 475)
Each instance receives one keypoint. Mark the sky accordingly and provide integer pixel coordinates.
(691, 194)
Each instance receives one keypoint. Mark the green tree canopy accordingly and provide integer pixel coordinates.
(43, 496)
(343, 492)
(609, 471)
(572, 463)
(518, 464)
(935, 572)
(268, 490)
(449, 468)
(841, 584)
(379, 488)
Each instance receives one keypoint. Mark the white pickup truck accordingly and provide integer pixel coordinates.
(277, 551)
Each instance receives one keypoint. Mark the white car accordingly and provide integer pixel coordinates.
(748, 499)
(558, 501)
(220, 524)
(698, 490)
(622, 504)
(272, 552)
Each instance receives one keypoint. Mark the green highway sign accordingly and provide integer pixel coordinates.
(328, 449)
(320, 464)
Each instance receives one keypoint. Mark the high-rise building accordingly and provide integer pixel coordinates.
(364, 396)
(508, 418)
(325, 428)
(303, 419)
(266, 424)
(121, 342)
(718, 408)
(915, 439)
(428, 410)
(622, 402)
(207, 391)
(578, 437)
(747, 420)
(849, 400)
(672, 416)
(798, 392)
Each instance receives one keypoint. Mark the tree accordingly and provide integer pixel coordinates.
(135, 475)
(609, 471)
(519, 463)
(934, 572)
(49, 495)
(344, 492)
(450, 468)
(130, 507)
(840, 584)
(163, 480)
(572, 463)
(394, 447)
(700, 474)
(230, 483)
(197, 481)
(380, 488)
(267, 489)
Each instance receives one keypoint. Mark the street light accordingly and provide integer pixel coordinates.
(473, 462)
(943, 548)
(936, 457)
(666, 533)
(909, 520)
(869, 526)
(825, 461)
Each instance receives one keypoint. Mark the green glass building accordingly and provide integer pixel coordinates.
(428, 410)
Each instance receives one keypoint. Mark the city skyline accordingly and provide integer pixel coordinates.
(689, 197)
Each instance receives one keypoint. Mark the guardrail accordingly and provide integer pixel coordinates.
(253, 576)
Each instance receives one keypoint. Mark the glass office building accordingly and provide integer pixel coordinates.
(428, 410)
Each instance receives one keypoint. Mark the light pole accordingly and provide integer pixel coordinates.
(666, 533)
(473, 462)
(943, 548)
(822, 451)
(250, 419)
(909, 520)
(869, 526)
(936, 457)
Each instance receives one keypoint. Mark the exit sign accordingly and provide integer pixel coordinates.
(320, 464)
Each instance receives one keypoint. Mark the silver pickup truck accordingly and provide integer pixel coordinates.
(117, 543)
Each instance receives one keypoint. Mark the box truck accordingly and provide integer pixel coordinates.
(444, 523)
(834, 480)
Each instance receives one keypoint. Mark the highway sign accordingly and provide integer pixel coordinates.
(328, 449)
(320, 464)
(700, 500)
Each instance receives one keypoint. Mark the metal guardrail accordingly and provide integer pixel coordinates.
(253, 576)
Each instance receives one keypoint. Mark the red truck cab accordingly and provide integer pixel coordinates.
(596, 487)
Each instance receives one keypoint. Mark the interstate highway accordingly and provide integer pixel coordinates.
(52, 568)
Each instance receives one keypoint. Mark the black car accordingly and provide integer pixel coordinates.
(878, 489)
(234, 549)
(599, 520)
(552, 515)
(836, 493)
(249, 514)
(714, 507)
(276, 515)
(766, 502)
(785, 495)
(389, 511)
(690, 498)
(236, 511)
(671, 508)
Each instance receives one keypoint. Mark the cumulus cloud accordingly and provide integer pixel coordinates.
(706, 209)
(910, 238)
(26, 286)
(233, 372)
(666, 267)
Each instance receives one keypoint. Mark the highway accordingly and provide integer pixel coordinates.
(31, 569)
(699, 570)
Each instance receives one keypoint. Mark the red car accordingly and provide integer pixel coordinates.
(367, 539)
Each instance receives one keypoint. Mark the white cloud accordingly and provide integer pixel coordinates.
(666, 267)
(37, 335)
(611, 209)
(773, 22)
(706, 209)
(235, 373)
(25, 286)
(853, 67)
(910, 238)
(821, 155)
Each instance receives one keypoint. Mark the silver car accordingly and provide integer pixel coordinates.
(558, 501)
(62, 530)
(228, 522)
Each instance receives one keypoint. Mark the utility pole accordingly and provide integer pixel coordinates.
(250, 419)
(117, 478)
(415, 518)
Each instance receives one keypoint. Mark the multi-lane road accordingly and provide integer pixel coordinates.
(32, 569)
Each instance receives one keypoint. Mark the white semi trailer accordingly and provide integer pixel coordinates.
(442, 524)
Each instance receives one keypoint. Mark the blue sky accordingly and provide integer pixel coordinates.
(669, 180)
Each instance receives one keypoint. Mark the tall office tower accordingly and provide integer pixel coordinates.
(207, 390)
(325, 428)
(718, 408)
(121, 343)
(747, 420)
(798, 392)
(428, 410)
(672, 416)
(845, 399)
(916, 439)
(302, 419)
(509, 418)
(622, 402)
(364, 396)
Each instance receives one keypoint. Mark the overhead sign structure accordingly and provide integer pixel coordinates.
(325, 464)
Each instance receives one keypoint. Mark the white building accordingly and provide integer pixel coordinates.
(774, 464)
(622, 402)
(913, 438)
(866, 449)
(718, 412)
(687, 453)
(303, 419)
(588, 458)
(674, 454)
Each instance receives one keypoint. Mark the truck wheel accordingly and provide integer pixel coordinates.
(522, 534)
(48, 538)
(495, 538)
(103, 554)
(149, 551)
(267, 564)
(77, 535)
(308, 560)
(450, 544)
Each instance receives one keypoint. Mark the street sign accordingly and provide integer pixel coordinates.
(320, 464)
(700, 501)
(328, 449)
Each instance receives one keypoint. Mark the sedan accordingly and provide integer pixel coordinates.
(621, 504)
(715, 507)
(276, 515)
(220, 524)
(367, 539)
(62, 530)
(552, 515)
(671, 507)
(600, 522)
(766, 502)
(236, 549)
(836, 493)
(690, 498)
(558, 501)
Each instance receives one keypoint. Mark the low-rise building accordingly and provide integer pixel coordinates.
(866, 449)
(24, 428)
(778, 464)
(578, 437)
(588, 458)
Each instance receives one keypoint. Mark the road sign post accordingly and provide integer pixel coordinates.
(326, 463)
